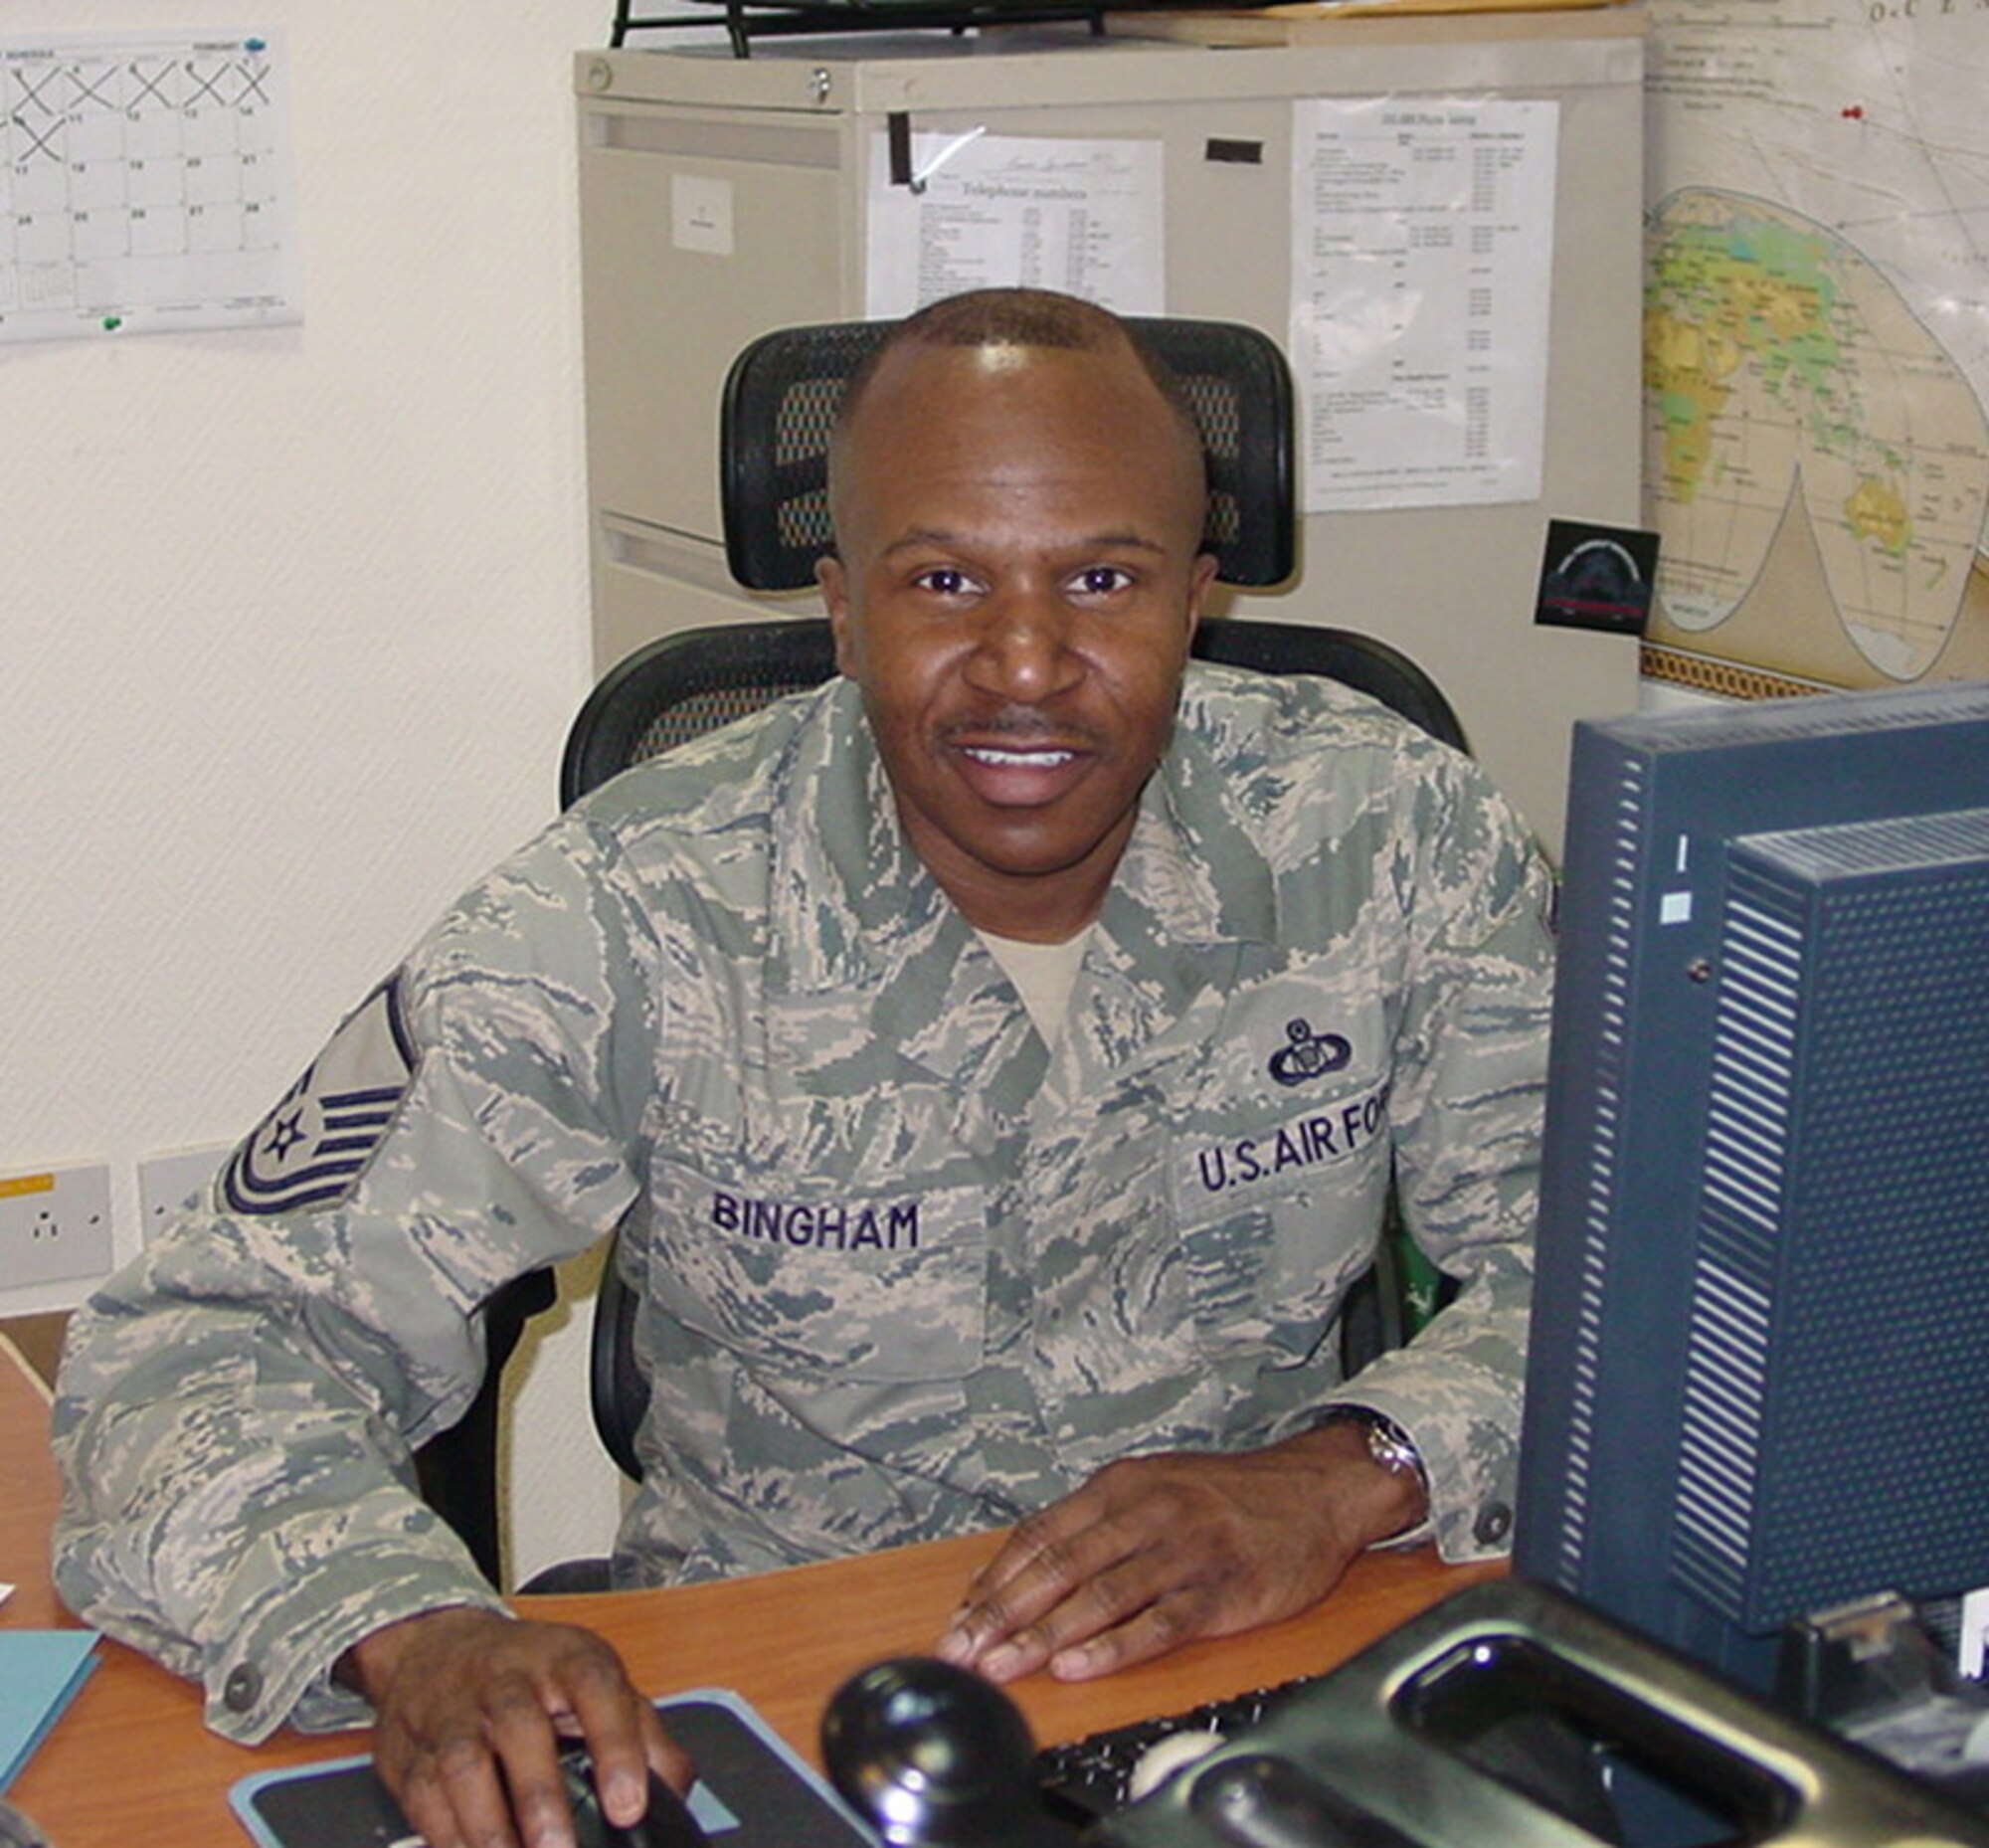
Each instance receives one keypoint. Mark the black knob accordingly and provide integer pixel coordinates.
(927, 1753)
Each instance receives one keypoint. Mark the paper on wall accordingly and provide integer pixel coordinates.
(994, 211)
(145, 184)
(1422, 257)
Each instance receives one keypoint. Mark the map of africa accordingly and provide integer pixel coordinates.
(1780, 364)
(1817, 340)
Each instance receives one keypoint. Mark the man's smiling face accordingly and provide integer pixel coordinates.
(1017, 579)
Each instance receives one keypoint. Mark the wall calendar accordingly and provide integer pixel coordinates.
(145, 184)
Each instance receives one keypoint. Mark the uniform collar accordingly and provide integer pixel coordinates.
(853, 907)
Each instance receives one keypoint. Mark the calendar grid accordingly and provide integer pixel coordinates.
(144, 184)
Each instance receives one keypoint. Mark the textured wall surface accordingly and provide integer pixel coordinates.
(291, 622)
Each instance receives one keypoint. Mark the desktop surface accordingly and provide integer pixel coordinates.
(131, 1761)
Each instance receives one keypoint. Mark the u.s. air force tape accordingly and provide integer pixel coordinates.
(312, 1147)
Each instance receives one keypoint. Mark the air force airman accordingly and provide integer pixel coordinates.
(923, 1241)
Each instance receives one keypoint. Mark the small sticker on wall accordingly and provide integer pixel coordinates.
(1597, 577)
(701, 214)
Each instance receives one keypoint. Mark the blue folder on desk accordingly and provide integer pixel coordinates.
(751, 1790)
(40, 1672)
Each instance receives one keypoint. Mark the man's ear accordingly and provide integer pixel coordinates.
(1201, 579)
(833, 583)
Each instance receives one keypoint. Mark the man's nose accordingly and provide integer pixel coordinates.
(1024, 651)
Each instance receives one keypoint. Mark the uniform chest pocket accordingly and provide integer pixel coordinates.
(1275, 1219)
(857, 1288)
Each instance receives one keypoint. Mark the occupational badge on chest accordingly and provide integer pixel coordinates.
(1307, 1056)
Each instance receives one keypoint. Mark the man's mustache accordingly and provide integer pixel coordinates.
(1022, 726)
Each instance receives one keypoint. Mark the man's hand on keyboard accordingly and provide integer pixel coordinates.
(1155, 1552)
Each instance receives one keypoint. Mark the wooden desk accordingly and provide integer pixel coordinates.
(28, 1496)
(131, 1761)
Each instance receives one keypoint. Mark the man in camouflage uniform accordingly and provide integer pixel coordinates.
(996, 1062)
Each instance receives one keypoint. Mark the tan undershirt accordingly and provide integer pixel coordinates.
(1044, 974)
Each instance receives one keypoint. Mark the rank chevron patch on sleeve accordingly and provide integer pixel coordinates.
(311, 1149)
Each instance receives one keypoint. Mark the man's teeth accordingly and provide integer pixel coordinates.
(1031, 760)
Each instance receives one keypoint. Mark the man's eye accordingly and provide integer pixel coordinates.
(1102, 579)
(943, 581)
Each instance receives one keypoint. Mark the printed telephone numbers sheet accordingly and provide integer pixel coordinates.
(144, 184)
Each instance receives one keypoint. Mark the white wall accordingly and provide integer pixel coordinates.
(291, 622)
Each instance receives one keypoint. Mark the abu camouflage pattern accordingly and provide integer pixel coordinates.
(905, 1269)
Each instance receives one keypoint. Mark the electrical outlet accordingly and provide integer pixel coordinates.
(55, 1226)
(167, 1182)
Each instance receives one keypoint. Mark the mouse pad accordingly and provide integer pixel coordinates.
(751, 1790)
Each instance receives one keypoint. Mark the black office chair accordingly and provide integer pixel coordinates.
(457, 1469)
(780, 404)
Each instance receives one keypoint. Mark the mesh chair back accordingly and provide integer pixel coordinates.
(783, 391)
(682, 685)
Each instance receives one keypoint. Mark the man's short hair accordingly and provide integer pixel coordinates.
(1038, 317)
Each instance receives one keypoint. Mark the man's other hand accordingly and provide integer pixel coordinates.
(1157, 1552)
(471, 1708)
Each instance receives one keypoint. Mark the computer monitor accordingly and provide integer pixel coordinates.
(1758, 1383)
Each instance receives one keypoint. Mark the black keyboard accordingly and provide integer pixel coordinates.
(1090, 1777)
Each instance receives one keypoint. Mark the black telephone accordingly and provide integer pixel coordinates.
(1507, 1717)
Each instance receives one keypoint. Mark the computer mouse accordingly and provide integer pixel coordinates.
(666, 1823)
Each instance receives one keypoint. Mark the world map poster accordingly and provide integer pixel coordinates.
(1816, 340)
